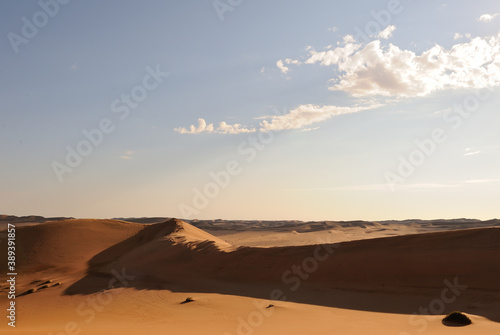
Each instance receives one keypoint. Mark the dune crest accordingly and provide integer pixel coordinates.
(174, 257)
(173, 252)
(192, 236)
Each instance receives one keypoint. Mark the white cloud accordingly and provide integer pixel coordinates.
(374, 70)
(348, 39)
(223, 128)
(335, 56)
(282, 67)
(387, 32)
(202, 128)
(298, 118)
(488, 17)
(333, 29)
(306, 115)
(458, 36)
(281, 64)
(236, 128)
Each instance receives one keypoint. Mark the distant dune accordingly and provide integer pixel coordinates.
(393, 275)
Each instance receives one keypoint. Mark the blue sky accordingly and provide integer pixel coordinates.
(250, 109)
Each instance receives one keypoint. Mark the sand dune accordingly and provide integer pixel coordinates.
(149, 269)
(412, 263)
(67, 245)
(292, 233)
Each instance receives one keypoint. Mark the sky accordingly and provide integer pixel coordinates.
(263, 110)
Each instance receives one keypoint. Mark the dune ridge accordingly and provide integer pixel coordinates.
(177, 249)
(382, 275)
(412, 262)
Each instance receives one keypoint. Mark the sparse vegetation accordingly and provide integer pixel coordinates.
(188, 299)
(456, 319)
(270, 305)
(31, 290)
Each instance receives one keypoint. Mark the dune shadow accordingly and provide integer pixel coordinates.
(350, 277)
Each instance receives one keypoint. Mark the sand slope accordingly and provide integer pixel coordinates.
(413, 262)
(381, 281)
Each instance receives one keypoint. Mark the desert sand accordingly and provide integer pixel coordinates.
(133, 276)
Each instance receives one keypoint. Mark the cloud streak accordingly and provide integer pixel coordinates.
(301, 117)
(223, 128)
(306, 115)
(482, 181)
(383, 187)
(470, 152)
(128, 154)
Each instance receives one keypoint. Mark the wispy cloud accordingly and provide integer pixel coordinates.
(306, 115)
(335, 56)
(128, 154)
(488, 17)
(222, 128)
(471, 152)
(428, 186)
(301, 117)
(310, 129)
(482, 181)
(458, 36)
(382, 187)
